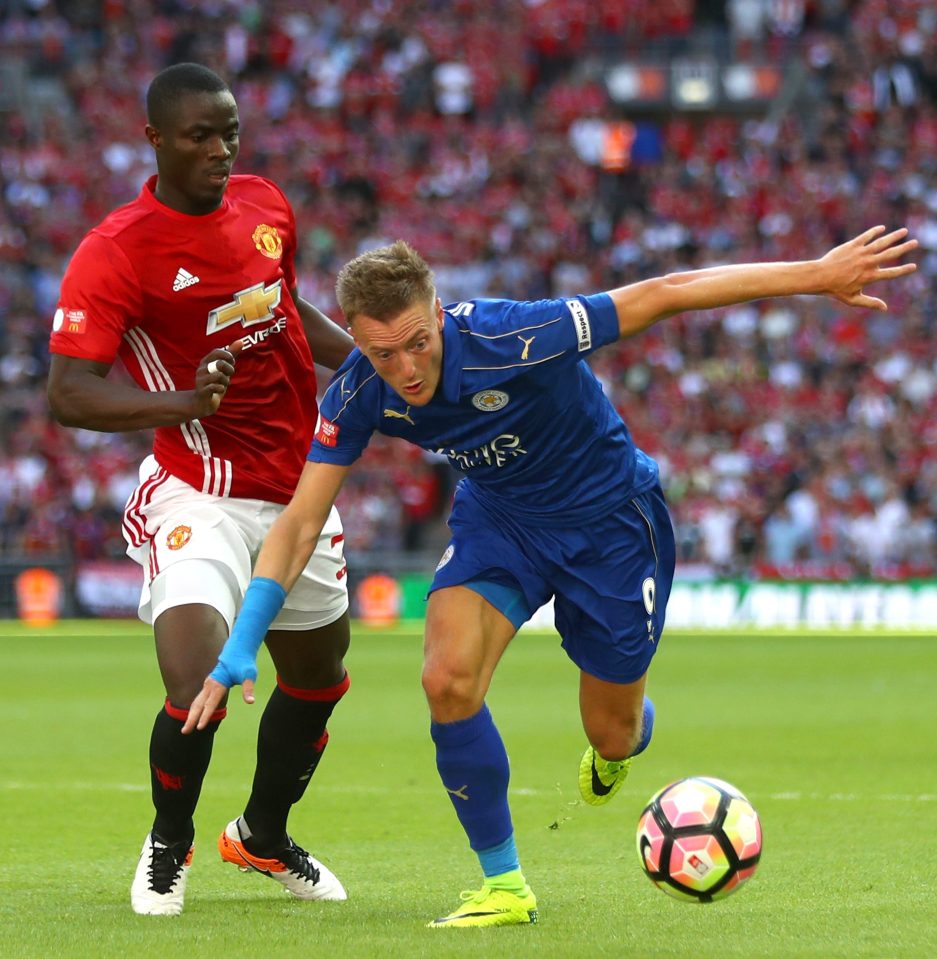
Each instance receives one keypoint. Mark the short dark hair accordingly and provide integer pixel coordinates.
(383, 282)
(175, 81)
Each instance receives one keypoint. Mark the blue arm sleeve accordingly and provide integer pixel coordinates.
(238, 659)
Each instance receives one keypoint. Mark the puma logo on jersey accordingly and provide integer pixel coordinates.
(253, 305)
(526, 343)
(394, 415)
(183, 279)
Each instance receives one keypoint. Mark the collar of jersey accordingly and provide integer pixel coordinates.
(451, 359)
(149, 198)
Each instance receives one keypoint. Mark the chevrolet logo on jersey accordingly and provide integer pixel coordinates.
(250, 306)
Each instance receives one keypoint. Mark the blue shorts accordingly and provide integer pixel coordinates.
(609, 578)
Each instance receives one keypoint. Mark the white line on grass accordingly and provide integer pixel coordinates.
(79, 786)
(856, 797)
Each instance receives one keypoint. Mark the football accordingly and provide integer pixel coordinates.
(699, 839)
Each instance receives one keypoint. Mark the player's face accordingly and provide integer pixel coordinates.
(195, 150)
(406, 350)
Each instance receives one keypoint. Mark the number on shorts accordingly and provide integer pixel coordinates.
(649, 591)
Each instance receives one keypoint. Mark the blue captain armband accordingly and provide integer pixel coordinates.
(238, 659)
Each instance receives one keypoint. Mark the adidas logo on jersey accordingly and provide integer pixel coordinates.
(183, 279)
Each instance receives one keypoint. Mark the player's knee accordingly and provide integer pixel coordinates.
(180, 695)
(452, 693)
(616, 738)
(311, 659)
(182, 687)
(180, 713)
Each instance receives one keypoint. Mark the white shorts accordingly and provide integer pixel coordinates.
(198, 548)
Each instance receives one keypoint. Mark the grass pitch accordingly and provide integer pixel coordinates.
(831, 737)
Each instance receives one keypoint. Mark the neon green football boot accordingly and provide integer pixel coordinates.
(600, 779)
(491, 907)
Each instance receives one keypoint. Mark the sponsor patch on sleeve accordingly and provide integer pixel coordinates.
(69, 321)
(327, 433)
(582, 324)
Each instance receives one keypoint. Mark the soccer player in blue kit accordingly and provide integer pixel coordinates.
(556, 502)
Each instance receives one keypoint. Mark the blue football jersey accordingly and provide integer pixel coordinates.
(518, 410)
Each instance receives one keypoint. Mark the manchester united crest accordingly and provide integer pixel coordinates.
(268, 241)
(179, 537)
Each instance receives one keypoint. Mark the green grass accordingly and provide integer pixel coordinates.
(831, 737)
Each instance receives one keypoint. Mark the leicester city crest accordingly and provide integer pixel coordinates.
(490, 400)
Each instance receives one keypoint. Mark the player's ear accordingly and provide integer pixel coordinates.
(153, 135)
(439, 313)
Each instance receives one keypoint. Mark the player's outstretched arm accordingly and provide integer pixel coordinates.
(843, 273)
(330, 343)
(283, 556)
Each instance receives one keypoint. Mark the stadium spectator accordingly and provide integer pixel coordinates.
(783, 538)
(198, 243)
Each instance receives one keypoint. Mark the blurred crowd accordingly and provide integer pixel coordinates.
(793, 436)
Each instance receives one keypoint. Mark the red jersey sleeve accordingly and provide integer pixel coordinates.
(100, 299)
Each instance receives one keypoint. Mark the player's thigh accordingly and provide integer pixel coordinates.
(188, 640)
(312, 658)
(311, 633)
(464, 640)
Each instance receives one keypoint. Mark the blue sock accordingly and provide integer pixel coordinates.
(473, 766)
(499, 859)
(647, 727)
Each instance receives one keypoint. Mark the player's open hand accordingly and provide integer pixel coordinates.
(209, 700)
(213, 377)
(867, 258)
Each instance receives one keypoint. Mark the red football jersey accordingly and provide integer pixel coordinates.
(160, 289)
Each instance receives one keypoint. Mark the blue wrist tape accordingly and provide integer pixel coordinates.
(238, 660)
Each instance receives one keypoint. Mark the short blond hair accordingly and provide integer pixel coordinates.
(383, 282)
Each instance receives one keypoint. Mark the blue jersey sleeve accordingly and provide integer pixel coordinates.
(345, 426)
(594, 321)
(501, 339)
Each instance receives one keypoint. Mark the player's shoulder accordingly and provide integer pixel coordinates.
(354, 384)
(113, 243)
(488, 317)
(120, 221)
(248, 186)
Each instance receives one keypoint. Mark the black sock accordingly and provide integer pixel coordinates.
(290, 743)
(177, 767)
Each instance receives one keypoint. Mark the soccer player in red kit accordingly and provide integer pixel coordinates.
(193, 276)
